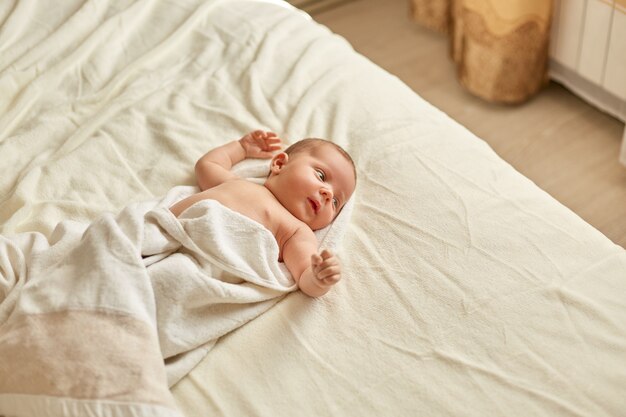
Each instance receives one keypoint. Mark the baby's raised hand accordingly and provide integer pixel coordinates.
(326, 268)
(260, 144)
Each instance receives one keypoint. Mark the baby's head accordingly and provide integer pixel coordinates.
(312, 179)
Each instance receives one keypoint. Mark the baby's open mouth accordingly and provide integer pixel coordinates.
(314, 205)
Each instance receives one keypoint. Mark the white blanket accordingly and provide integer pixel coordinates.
(87, 318)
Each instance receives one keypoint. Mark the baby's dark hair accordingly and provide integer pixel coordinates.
(310, 143)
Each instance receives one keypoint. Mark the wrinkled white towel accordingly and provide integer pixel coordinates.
(88, 317)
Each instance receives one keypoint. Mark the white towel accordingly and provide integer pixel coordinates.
(154, 287)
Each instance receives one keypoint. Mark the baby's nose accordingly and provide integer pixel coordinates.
(327, 193)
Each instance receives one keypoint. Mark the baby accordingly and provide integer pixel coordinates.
(307, 186)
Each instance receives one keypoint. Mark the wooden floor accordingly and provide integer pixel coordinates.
(567, 147)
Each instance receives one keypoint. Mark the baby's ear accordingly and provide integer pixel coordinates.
(278, 161)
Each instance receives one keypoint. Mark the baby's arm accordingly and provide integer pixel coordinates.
(214, 167)
(314, 273)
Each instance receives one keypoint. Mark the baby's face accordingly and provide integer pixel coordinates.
(313, 184)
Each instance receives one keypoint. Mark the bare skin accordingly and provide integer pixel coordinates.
(304, 192)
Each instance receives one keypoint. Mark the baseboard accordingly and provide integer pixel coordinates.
(588, 91)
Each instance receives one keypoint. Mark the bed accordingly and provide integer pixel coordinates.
(467, 289)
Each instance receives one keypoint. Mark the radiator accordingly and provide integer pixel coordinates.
(588, 51)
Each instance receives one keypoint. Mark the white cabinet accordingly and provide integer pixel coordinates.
(615, 70)
(595, 40)
(588, 51)
(566, 30)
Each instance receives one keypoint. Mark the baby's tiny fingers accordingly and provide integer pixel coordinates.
(315, 260)
(327, 272)
(332, 280)
(328, 262)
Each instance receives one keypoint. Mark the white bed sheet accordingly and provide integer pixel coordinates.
(467, 289)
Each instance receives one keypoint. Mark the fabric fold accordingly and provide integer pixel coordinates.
(112, 302)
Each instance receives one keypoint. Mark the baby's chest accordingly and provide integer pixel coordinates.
(257, 203)
(269, 215)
